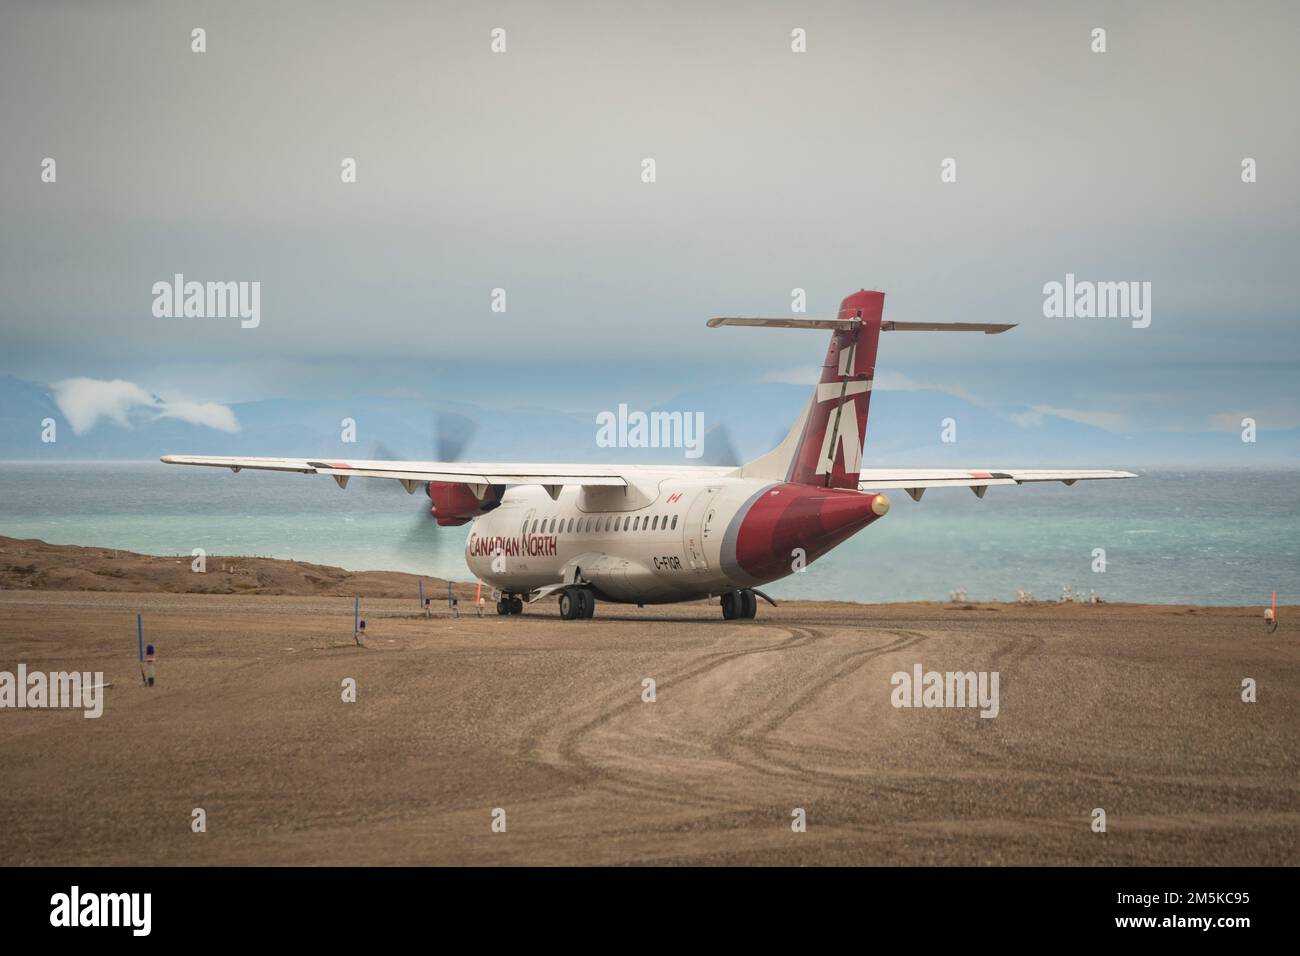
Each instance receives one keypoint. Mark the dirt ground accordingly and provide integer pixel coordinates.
(29, 564)
(1136, 710)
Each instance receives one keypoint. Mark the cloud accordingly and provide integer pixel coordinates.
(209, 414)
(887, 382)
(84, 401)
(1027, 419)
(1110, 421)
(1272, 416)
(896, 382)
(800, 375)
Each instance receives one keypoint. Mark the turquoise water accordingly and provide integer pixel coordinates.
(1204, 537)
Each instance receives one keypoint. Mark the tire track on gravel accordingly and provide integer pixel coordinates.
(764, 756)
(567, 755)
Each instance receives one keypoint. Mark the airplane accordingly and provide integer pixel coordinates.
(659, 534)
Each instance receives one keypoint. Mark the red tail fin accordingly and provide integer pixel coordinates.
(830, 450)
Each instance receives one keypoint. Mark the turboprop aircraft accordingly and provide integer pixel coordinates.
(647, 534)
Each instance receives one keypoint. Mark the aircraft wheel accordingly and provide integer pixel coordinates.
(568, 604)
(503, 606)
(730, 605)
(748, 604)
(581, 598)
(516, 605)
(589, 609)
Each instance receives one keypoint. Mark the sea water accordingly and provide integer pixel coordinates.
(1196, 537)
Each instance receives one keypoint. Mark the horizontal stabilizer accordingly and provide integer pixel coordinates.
(988, 328)
(835, 324)
(844, 325)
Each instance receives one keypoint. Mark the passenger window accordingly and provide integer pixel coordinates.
(654, 525)
(535, 520)
(674, 522)
(627, 523)
(570, 525)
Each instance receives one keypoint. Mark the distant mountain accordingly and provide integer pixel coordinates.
(904, 429)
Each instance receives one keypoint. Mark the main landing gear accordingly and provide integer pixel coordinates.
(576, 603)
(739, 604)
(510, 604)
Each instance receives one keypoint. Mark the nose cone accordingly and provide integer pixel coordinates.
(790, 526)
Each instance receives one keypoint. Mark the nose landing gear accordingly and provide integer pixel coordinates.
(738, 605)
(510, 604)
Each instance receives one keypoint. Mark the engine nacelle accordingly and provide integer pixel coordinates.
(454, 503)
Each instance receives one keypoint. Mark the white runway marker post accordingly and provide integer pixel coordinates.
(139, 646)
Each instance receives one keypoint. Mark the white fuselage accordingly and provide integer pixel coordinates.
(650, 543)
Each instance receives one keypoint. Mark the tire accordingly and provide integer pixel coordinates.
(730, 605)
(568, 605)
(503, 607)
(748, 604)
(582, 600)
(590, 610)
(516, 605)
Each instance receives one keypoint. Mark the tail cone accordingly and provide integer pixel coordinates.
(789, 526)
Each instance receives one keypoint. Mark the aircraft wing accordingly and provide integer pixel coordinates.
(915, 480)
(412, 474)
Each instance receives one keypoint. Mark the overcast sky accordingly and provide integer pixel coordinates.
(775, 170)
